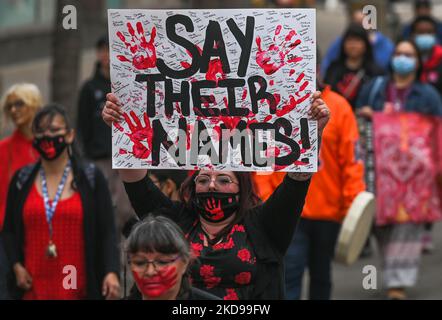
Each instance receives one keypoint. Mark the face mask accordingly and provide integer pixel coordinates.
(403, 65)
(157, 285)
(425, 42)
(216, 206)
(50, 148)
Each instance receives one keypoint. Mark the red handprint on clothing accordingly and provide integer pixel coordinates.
(215, 209)
(143, 53)
(138, 134)
(274, 58)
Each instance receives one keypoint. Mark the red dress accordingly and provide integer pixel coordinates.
(49, 278)
(15, 152)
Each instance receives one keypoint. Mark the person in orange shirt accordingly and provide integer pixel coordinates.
(339, 179)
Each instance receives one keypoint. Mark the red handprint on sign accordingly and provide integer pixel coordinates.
(138, 134)
(143, 53)
(274, 58)
(215, 209)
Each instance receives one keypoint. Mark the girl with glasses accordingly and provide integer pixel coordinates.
(159, 258)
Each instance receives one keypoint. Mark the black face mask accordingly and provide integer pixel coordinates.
(216, 206)
(50, 148)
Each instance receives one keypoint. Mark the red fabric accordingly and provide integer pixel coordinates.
(430, 72)
(15, 152)
(47, 273)
(406, 167)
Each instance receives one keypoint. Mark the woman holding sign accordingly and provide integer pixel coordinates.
(401, 91)
(240, 244)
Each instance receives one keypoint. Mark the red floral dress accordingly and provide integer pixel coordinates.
(54, 278)
(232, 281)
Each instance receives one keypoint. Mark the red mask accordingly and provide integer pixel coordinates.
(157, 285)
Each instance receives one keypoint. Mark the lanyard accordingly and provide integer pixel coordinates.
(50, 209)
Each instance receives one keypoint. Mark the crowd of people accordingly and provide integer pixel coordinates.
(61, 203)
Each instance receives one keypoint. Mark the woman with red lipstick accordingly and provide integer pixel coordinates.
(240, 244)
(159, 257)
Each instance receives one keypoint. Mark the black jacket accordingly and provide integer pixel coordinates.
(101, 251)
(270, 227)
(95, 136)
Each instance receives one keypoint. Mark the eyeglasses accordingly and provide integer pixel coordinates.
(221, 181)
(141, 265)
(18, 104)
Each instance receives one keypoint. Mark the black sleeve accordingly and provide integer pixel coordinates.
(146, 197)
(10, 227)
(281, 212)
(86, 107)
(330, 76)
(107, 233)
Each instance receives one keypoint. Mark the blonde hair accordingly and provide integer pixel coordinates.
(28, 92)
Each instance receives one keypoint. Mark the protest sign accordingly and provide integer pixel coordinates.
(217, 89)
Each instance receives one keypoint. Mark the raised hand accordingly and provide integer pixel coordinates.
(276, 55)
(143, 53)
(139, 134)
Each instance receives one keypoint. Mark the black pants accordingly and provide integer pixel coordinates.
(313, 246)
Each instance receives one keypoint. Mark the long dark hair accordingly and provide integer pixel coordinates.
(248, 197)
(47, 115)
(357, 31)
(157, 233)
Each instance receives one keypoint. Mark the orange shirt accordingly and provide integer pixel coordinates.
(340, 175)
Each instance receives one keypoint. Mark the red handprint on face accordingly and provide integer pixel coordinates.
(48, 148)
(143, 53)
(138, 134)
(215, 209)
(274, 58)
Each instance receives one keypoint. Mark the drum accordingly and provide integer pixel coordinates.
(355, 228)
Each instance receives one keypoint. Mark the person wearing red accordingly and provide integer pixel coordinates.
(59, 231)
(20, 104)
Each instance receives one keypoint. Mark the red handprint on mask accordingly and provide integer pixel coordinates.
(48, 148)
(274, 58)
(138, 134)
(214, 209)
(143, 53)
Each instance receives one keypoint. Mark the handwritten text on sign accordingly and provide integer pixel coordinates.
(219, 89)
